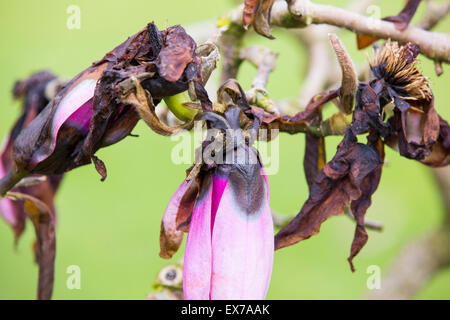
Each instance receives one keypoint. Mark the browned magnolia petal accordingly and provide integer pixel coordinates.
(257, 13)
(440, 154)
(343, 180)
(359, 206)
(177, 52)
(417, 131)
(35, 97)
(315, 157)
(249, 11)
(41, 216)
(261, 21)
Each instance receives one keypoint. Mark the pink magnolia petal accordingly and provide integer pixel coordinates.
(197, 257)
(170, 238)
(242, 247)
(219, 184)
(75, 107)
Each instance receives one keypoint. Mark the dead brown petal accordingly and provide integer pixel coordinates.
(257, 13)
(41, 216)
(350, 177)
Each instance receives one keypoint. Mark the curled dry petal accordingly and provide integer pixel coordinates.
(349, 82)
(171, 237)
(440, 153)
(41, 216)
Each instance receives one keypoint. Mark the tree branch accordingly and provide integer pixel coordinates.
(301, 13)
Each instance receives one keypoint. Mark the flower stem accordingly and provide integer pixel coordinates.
(11, 178)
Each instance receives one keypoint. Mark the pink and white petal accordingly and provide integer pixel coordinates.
(219, 184)
(242, 248)
(197, 257)
(170, 238)
(76, 106)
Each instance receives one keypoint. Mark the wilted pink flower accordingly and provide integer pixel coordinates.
(36, 91)
(229, 249)
(88, 113)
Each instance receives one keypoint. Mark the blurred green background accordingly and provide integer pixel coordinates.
(111, 229)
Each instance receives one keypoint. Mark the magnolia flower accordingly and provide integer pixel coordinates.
(34, 196)
(36, 92)
(229, 248)
(412, 124)
(88, 113)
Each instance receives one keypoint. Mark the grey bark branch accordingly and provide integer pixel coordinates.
(301, 13)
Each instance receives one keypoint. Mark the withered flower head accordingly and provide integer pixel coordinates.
(35, 94)
(224, 206)
(89, 113)
(397, 65)
(33, 197)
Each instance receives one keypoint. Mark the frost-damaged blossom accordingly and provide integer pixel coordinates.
(63, 132)
(88, 113)
(225, 207)
(33, 91)
(36, 93)
(415, 127)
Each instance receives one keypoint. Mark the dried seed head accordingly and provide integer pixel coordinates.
(397, 66)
